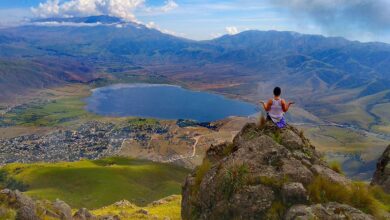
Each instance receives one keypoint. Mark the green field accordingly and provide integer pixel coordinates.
(94, 184)
(50, 113)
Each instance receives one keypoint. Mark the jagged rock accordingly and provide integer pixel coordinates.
(143, 212)
(26, 213)
(294, 193)
(115, 217)
(329, 211)
(331, 175)
(25, 206)
(124, 204)
(164, 200)
(63, 210)
(264, 168)
(382, 173)
(83, 214)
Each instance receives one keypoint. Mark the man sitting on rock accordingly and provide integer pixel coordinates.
(276, 108)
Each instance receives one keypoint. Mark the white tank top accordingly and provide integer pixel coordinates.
(276, 112)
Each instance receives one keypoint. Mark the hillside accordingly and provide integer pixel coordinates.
(349, 75)
(265, 173)
(94, 184)
(268, 173)
(16, 205)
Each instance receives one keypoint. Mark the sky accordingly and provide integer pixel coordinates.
(363, 20)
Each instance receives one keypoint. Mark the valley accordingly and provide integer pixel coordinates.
(67, 132)
(54, 126)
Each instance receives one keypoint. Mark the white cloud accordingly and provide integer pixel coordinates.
(341, 16)
(169, 5)
(153, 25)
(232, 30)
(118, 8)
(216, 35)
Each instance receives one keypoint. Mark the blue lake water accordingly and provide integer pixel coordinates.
(164, 102)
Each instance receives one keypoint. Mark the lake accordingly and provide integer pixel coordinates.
(164, 102)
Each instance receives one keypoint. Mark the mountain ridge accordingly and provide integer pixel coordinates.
(332, 69)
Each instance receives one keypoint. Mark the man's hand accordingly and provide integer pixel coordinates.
(291, 103)
(261, 102)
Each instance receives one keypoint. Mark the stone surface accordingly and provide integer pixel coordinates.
(24, 205)
(330, 175)
(382, 173)
(294, 193)
(329, 211)
(83, 214)
(63, 210)
(259, 176)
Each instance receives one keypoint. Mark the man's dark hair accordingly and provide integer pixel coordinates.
(277, 91)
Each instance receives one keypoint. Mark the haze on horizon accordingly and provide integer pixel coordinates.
(363, 20)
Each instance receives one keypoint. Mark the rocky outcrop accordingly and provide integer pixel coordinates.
(263, 174)
(382, 173)
(25, 207)
(329, 211)
(29, 209)
(16, 205)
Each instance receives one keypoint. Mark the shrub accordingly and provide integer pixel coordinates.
(381, 196)
(301, 134)
(228, 149)
(275, 183)
(336, 166)
(358, 195)
(362, 199)
(201, 172)
(8, 182)
(276, 211)
(277, 137)
(235, 178)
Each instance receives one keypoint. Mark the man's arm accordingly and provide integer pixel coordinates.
(285, 106)
(267, 106)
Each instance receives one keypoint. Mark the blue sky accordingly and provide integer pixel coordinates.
(364, 20)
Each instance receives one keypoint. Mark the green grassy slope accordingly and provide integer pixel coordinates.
(52, 113)
(93, 184)
(167, 208)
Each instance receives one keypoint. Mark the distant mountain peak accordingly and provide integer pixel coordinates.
(98, 19)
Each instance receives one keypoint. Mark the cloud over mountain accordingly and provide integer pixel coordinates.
(336, 15)
(232, 30)
(118, 8)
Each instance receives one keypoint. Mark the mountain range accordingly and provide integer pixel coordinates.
(49, 52)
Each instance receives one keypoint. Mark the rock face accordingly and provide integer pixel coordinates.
(29, 209)
(263, 174)
(330, 210)
(382, 173)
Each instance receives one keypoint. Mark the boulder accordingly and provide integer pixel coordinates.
(83, 214)
(329, 211)
(63, 210)
(382, 173)
(25, 206)
(294, 193)
(248, 176)
(330, 175)
(264, 172)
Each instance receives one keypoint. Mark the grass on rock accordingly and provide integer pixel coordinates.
(359, 195)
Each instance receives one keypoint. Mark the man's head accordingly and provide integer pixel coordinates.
(277, 91)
